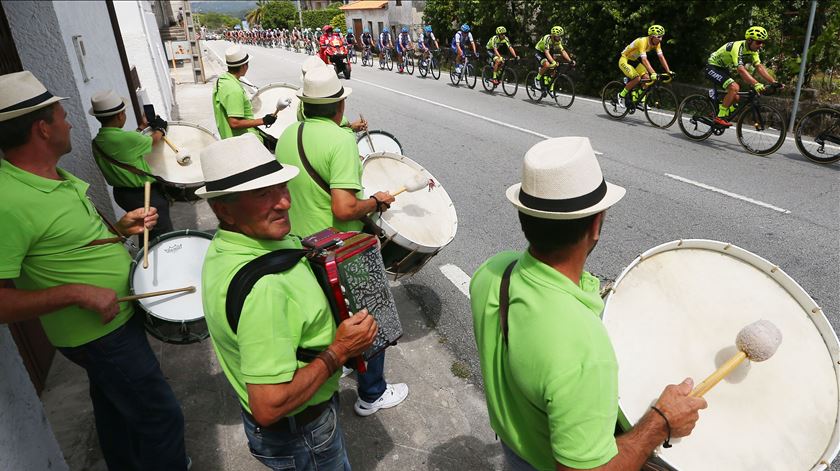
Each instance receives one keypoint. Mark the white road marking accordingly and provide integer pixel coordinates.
(457, 276)
(728, 193)
(459, 110)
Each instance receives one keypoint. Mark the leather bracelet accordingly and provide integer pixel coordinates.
(329, 360)
(667, 443)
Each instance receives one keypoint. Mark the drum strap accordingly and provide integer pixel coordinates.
(123, 165)
(504, 300)
(370, 226)
(244, 280)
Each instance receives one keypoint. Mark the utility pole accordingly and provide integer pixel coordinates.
(300, 12)
(803, 65)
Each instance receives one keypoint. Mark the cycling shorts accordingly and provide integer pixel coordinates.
(492, 54)
(401, 48)
(631, 68)
(383, 46)
(540, 56)
(719, 75)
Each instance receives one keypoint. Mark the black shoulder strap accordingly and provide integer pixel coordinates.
(305, 161)
(247, 276)
(122, 165)
(504, 300)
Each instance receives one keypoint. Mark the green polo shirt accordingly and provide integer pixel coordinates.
(230, 100)
(46, 225)
(345, 123)
(552, 393)
(334, 155)
(127, 147)
(284, 311)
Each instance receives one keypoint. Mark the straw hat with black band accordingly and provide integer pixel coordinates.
(21, 93)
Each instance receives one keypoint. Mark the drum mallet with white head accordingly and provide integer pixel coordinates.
(282, 104)
(757, 341)
(182, 155)
(415, 183)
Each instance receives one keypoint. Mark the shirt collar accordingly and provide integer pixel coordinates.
(238, 239)
(45, 185)
(588, 292)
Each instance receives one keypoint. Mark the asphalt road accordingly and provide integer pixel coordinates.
(473, 143)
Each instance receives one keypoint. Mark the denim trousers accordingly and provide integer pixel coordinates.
(371, 384)
(513, 461)
(318, 445)
(138, 420)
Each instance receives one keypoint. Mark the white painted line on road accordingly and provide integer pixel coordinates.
(728, 193)
(458, 110)
(457, 276)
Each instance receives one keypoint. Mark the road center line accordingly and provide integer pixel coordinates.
(728, 193)
(458, 110)
(457, 276)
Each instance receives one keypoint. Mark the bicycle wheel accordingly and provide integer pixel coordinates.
(487, 78)
(818, 136)
(614, 108)
(454, 76)
(510, 82)
(409, 66)
(469, 76)
(534, 93)
(696, 115)
(765, 132)
(563, 91)
(423, 68)
(661, 107)
(389, 62)
(353, 57)
(434, 67)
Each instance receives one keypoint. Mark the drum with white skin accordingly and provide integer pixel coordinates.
(265, 102)
(182, 179)
(419, 223)
(175, 261)
(382, 141)
(675, 313)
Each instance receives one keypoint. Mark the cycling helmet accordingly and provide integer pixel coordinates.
(366, 30)
(338, 30)
(557, 31)
(465, 28)
(656, 30)
(756, 33)
(327, 27)
(428, 28)
(316, 29)
(404, 29)
(501, 30)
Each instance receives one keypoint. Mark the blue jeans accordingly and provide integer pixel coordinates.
(372, 383)
(138, 419)
(318, 445)
(514, 462)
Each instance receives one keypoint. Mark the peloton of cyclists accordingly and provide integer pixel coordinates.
(462, 39)
(734, 56)
(635, 65)
(499, 41)
(404, 46)
(547, 48)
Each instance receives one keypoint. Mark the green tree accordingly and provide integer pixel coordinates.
(216, 21)
(339, 21)
(318, 18)
(255, 16)
(279, 15)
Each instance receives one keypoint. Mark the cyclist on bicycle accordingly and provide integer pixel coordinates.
(636, 66)
(404, 45)
(499, 41)
(425, 40)
(547, 48)
(384, 43)
(462, 39)
(734, 56)
(350, 39)
(366, 40)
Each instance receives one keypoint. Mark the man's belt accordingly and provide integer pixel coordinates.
(301, 419)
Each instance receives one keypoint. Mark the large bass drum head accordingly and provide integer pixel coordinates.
(265, 102)
(163, 162)
(675, 313)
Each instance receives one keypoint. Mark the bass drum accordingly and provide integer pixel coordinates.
(382, 141)
(181, 180)
(175, 261)
(419, 224)
(265, 102)
(675, 313)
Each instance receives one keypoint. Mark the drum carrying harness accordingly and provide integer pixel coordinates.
(504, 300)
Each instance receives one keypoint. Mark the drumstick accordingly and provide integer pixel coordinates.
(417, 182)
(367, 135)
(170, 144)
(757, 341)
(147, 196)
(188, 289)
(182, 156)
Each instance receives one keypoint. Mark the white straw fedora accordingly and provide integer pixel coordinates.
(321, 85)
(22, 93)
(235, 56)
(239, 164)
(310, 64)
(106, 103)
(561, 179)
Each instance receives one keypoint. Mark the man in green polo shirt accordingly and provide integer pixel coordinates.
(61, 264)
(289, 404)
(231, 105)
(120, 156)
(550, 373)
(333, 155)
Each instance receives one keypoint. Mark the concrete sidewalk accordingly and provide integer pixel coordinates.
(442, 425)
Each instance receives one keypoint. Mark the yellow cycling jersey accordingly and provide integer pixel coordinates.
(640, 47)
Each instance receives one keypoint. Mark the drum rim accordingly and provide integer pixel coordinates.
(138, 260)
(379, 131)
(148, 130)
(389, 230)
(271, 86)
(784, 280)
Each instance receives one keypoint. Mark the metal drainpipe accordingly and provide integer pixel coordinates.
(115, 24)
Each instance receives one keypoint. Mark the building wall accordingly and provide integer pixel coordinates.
(373, 16)
(26, 439)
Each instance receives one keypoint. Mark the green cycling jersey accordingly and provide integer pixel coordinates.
(734, 54)
(495, 42)
(547, 43)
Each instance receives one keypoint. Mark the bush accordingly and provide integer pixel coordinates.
(216, 21)
(279, 15)
(318, 18)
(339, 21)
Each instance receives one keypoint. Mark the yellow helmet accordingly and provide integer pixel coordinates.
(656, 30)
(501, 30)
(557, 31)
(756, 33)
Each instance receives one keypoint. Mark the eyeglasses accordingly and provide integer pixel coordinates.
(658, 36)
(760, 43)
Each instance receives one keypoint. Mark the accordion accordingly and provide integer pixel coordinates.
(348, 265)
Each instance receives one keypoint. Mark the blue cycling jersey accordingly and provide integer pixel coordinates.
(464, 39)
(385, 38)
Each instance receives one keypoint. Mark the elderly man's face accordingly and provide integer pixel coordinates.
(262, 213)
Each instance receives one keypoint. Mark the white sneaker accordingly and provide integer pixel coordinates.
(394, 394)
(620, 100)
(345, 372)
